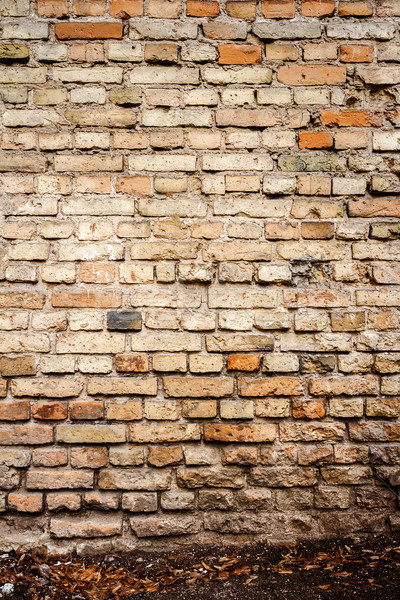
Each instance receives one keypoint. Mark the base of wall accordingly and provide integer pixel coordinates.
(60, 534)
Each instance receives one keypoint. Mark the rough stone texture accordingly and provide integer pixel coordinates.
(199, 278)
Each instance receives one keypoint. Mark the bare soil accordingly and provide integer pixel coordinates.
(367, 569)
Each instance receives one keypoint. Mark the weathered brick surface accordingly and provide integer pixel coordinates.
(199, 279)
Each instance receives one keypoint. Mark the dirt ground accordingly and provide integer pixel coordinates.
(368, 569)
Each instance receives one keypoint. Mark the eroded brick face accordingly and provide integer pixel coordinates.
(199, 278)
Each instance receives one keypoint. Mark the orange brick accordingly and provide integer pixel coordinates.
(26, 502)
(278, 9)
(270, 386)
(244, 362)
(350, 118)
(383, 320)
(281, 231)
(91, 8)
(26, 434)
(317, 8)
(312, 75)
(21, 300)
(133, 185)
(50, 411)
(350, 53)
(77, 52)
(251, 432)
(202, 8)
(375, 207)
(14, 411)
(52, 8)
(86, 410)
(317, 230)
(355, 9)
(241, 10)
(94, 53)
(351, 139)
(315, 139)
(135, 363)
(86, 299)
(239, 54)
(91, 458)
(309, 409)
(314, 185)
(130, 141)
(124, 9)
(93, 185)
(97, 273)
(49, 457)
(88, 31)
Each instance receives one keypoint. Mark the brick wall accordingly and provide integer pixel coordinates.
(199, 270)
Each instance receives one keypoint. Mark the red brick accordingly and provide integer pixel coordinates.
(91, 8)
(317, 8)
(202, 8)
(354, 53)
(239, 54)
(97, 273)
(315, 139)
(124, 9)
(25, 502)
(86, 410)
(244, 362)
(312, 75)
(50, 411)
(14, 411)
(355, 9)
(52, 8)
(86, 299)
(278, 9)
(88, 31)
(350, 118)
(134, 363)
(270, 386)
